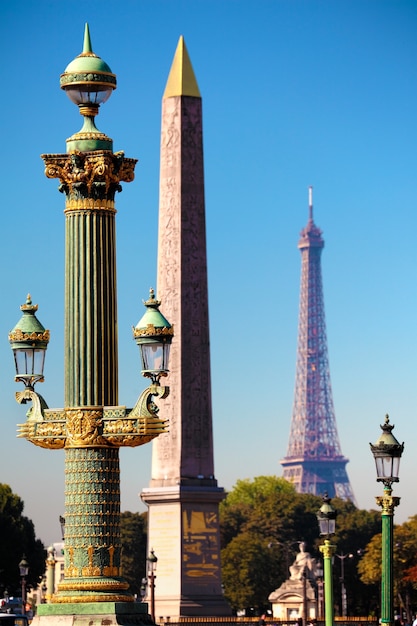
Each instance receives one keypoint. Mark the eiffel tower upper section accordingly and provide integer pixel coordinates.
(314, 461)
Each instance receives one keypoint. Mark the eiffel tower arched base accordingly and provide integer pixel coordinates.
(319, 477)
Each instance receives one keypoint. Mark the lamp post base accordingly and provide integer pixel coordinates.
(93, 614)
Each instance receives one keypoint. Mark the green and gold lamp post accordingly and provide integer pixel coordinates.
(387, 453)
(93, 425)
(326, 517)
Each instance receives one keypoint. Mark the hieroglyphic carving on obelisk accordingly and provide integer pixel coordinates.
(183, 496)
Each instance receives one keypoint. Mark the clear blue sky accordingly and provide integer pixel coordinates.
(295, 93)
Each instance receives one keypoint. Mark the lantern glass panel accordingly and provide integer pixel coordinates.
(396, 466)
(327, 526)
(39, 361)
(387, 467)
(24, 568)
(85, 94)
(155, 357)
(29, 361)
(23, 360)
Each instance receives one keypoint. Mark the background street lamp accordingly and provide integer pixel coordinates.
(320, 598)
(343, 593)
(326, 517)
(62, 524)
(24, 571)
(152, 561)
(387, 453)
(44, 589)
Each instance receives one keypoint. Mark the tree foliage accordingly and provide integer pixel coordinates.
(262, 522)
(133, 528)
(404, 565)
(248, 570)
(17, 538)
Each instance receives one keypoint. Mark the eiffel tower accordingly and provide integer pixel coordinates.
(314, 462)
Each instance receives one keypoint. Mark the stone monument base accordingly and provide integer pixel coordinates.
(288, 600)
(92, 614)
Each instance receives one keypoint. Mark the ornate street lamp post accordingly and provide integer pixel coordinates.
(152, 561)
(92, 426)
(326, 517)
(387, 453)
(343, 593)
(320, 599)
(24, 571)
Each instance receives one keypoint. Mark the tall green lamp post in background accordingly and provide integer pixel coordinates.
(152, 561)
(387, 453)
(326, 517)
(92, 426)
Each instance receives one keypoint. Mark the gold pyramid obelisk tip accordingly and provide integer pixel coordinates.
(181, 80)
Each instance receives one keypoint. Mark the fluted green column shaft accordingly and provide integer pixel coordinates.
(90, 309)
(387, 581)
(328, 551)
(388, 503)
(92, 481)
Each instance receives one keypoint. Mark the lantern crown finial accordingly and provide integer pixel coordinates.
(387, 440)
(87, 48)
(152, 301)
(153, 323)
(29, 328)
(28, 306)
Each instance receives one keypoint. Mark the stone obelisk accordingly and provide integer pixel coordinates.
(183, 496)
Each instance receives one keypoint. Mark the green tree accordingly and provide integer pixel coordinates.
(248, 572)
(404, 564)
(269, 513)
(133, 528)
(17, 538)
(269, 506)
(268, 516)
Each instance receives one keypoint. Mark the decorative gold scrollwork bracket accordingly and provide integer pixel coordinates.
(92, 426)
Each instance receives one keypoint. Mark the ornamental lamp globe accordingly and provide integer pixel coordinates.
(29, 341)
(153, 334)
(326, 517)
(88, 82)
(387, 452)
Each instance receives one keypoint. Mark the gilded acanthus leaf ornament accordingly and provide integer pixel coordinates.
(84, 427)
(95, 174)
(387, 502)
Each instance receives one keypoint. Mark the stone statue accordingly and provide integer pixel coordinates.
(303, 563)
